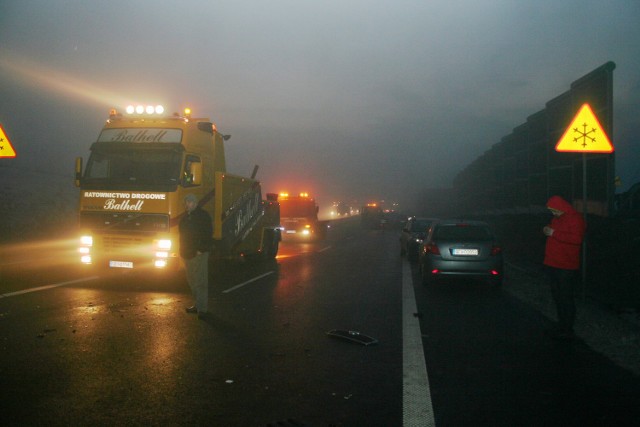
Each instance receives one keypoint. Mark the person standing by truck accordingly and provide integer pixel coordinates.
(562, 261)
(195, 243)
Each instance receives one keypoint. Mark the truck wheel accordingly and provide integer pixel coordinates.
(271, 244)
(274, 249)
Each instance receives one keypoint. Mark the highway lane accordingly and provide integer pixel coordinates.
(33, 264)
(491, 363)
(121, 350)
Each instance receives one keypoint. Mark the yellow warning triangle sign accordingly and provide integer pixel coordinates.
(6, 150)
(585, 134)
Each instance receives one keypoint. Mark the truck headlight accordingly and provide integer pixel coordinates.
(163, 244)
(86, 242)
(161, 248)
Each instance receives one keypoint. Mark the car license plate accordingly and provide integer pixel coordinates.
(467, 252)
(121, 264)
(291, 231)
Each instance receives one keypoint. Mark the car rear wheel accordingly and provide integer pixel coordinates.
(427, 278)
(496, 282)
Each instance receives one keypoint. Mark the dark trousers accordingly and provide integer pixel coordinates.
(198, 279)
(562, 283)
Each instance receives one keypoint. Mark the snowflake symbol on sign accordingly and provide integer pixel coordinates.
(584, 135)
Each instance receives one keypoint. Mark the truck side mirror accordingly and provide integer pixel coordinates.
(195, 171)
(78, 171)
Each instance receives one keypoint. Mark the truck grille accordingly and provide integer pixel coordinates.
(111, 221)
(121, 243)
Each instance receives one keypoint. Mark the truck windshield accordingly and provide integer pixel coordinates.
(297, 208)
(133, 167)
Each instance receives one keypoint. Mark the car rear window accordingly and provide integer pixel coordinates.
(459, 232)
(420, 225)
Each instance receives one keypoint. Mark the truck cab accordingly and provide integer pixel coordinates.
(299, 217)
(141, 167)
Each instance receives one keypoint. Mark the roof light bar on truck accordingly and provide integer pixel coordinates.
(145, 109)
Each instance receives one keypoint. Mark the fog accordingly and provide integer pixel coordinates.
(351, 100)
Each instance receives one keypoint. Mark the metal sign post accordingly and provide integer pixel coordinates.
(584, 217)
(584, 135)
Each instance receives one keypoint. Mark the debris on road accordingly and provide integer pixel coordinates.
(352, 336)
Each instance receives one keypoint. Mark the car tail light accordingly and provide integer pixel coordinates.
(432, 248)
(495, 273)
(495, 250)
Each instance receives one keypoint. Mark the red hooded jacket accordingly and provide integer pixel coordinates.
(563, 247)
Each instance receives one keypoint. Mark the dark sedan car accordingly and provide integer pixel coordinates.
(412, 236)
(461, 248)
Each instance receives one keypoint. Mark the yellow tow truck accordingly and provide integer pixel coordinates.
(141, 167)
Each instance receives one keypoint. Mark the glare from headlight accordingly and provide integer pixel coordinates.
(163, 244)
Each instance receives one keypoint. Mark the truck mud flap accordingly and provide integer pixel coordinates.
(352, 336)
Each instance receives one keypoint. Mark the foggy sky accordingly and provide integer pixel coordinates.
(344, 99)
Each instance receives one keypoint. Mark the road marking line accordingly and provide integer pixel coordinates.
(45, 287)
(417, 409)
(324, 249)
(226, 291)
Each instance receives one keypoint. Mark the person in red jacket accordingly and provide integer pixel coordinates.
(562, 261)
